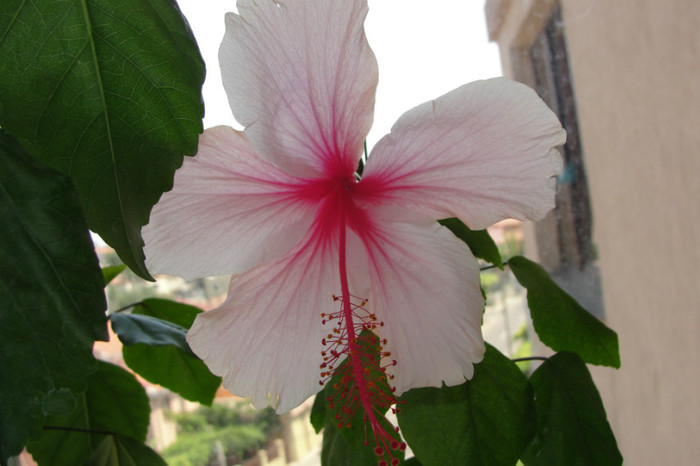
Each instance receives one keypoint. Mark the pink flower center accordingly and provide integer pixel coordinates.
(336, 198)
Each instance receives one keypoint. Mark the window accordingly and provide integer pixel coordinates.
(563, 239)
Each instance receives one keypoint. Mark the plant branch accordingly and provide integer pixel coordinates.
(530, 358)
(128, 306)
(492, 266)
(78, 429)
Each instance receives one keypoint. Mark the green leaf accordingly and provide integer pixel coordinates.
(485, 421)
(171, 311)
(57, 447)
(117, 402)
(336, 451)
(561, 322)
(117, 450)
(58, 402)
(479, 241)
(137, 328)
(171, 366)
(572, 427)
(156, 322)
(51, 295)
(108, 92)
(114, 402)
(110, 273)
(342, 434)
(318, 412)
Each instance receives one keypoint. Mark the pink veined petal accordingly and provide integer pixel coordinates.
(425, 288)
(482, 152)
(301, 78)
(229, 210)
(265, 339)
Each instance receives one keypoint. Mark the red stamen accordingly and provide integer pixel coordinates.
(362, 379)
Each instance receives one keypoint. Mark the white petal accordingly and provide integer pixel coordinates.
(483, 152)
(301, 78)
(265, 340)
(229, 210)
(425, 288)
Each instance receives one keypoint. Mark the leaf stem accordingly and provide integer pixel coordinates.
(530, 358)
(128, 306)
(492, 266)
(78, 429)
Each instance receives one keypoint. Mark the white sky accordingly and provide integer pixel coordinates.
(424, 48)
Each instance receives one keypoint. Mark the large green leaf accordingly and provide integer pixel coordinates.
(561, 322)
(479, 241)
(486, 421)
(117, 450)
(114, 402)
(171, 366)
(572, 427)
(51, 295)
(109, 92)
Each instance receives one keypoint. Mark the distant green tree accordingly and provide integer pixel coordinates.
(240, 429)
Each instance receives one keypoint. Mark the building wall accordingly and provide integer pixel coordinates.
(636, 77)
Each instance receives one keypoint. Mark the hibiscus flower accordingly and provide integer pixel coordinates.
(281, 207)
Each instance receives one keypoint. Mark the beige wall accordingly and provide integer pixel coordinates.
(636, 77)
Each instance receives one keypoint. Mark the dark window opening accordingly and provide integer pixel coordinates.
(564, 237)
(553, 83)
